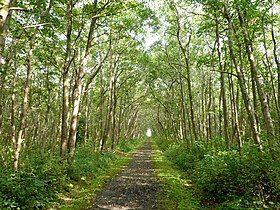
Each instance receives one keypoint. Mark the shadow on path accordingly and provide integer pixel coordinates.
(134, 188)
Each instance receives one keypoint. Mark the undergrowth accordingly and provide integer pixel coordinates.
(177, 190)
(43, 180)
(224, 179)
(93, 170)
(35, 185)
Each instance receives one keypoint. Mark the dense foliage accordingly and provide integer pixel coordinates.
(80, 78)
(43, 181)
(36, 186)
(225, 179)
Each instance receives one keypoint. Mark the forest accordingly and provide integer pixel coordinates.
(81, 82)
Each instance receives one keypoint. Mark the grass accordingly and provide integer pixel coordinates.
(83, 193)
(177, 189)
(99, 170)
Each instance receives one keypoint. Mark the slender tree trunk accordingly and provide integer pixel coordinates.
(236, 125)
(110, 116)
(160, 123)
(65, 99)
(78, 87)
(183, 113)
(188, 75)
(6, 15)
(13, 120)
(241, 81)
(101, 124)
(132, 124)
(2, 81)
(45, 136)
(120, 120)
(24, 108)
(4, 25)
(255, 100)
(268, 65)
(257, 77)
(87, 121)
(208, 116)
(275, 53)
(114, 113)
(223, 88)
(75, 113)
(203, 110)
(105, 133)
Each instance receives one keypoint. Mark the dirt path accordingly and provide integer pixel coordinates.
(134, 188)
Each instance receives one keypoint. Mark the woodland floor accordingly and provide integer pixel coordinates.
(134, 188)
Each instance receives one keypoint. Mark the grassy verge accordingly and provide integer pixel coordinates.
(177, 189)
(92, 171)
(222, 178)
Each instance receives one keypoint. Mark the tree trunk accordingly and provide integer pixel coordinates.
(114, 113)
(208, 115)
(65, 99)
(4, 25)
(188, 75)
(257, 77)
(6, 15)
(241, 81)
(2, 81)
(45, 136)
(269, 67)
(236, 125)
(24, 108)
(101, 121)
(105, 132)
(78, 87)
(223, 88)
(275, 53)
(13, 120)
(183, 121)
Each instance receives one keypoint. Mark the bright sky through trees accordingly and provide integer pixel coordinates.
(149, 132)
(94, 74)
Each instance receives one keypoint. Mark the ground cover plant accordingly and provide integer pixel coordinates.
(46, 182)
(203, 76)
(177, 190)
(224, 179)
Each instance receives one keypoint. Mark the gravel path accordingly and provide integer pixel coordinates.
(134, 188)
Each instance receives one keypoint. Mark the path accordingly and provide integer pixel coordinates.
(134, 188)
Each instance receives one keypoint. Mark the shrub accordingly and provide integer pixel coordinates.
(127, 146)
(180, 157)
(232, 181)
(34, 186)
(225, 177)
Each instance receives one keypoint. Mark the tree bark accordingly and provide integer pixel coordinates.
(269, 67)
(24, 108)
(6, 15)
(183, 121)
(78, 87)
(208, 115)
(275, 53)
(223, 88)
(101, 122)
(13, 120)
(257, 77)
(235, 120)
(188, 75)
(241, 81)
(65, 72)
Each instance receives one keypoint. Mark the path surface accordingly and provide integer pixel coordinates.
(134, 188)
